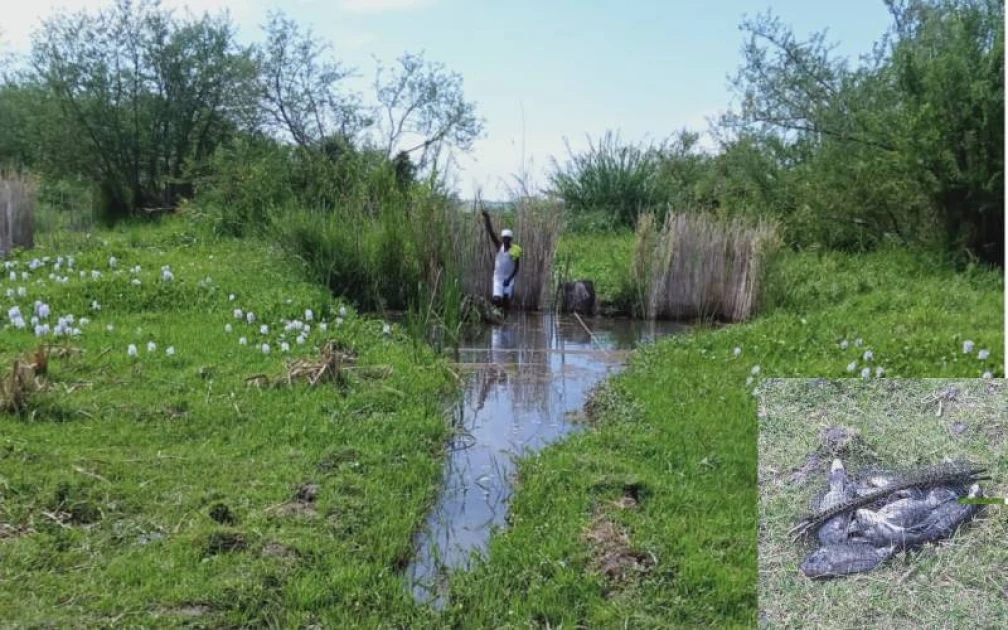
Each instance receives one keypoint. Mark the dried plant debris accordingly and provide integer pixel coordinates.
(334, 365)
(860, 521)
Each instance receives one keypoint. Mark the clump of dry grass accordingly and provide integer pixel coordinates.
(332, 366)
(17, 211)
(25, 378)
(696, 266)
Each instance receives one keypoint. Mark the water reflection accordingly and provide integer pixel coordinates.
(523, 377)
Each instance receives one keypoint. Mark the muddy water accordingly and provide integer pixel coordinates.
(524, 381)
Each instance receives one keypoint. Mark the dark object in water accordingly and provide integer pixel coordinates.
(578, 297)
(843, 559)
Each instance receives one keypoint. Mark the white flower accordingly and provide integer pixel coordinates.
(308, 315)
(22, 292)
(866, 372)
(852, 366)
(748, 381)
(387, 330)
(95, 274)
(285, 346)
(136, 269)
(737, 351)
(13, 276)
(227, 328)
(339, 321)
(300, 340)
(167, 275)
(112, 262)
(170, 351)
(967, 347)
(879, 372)
(109, 327)
(264, 330)
(84, 321)
(95, 306)
(844, 344)
(75, 332)
(83, 274)
(43, 311)
(231, 297)
(755, 370)
(987, 375)
(868, 356)
(265, 348)
(323, 326)
(342, 311)
(250, 317)
(858, 342)
(983, 354)
(238, 313)
(131, 350)
(151, 346)
(307, 329)
(136, 281)
(242, 341)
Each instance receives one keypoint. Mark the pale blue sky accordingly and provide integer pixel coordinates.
(645, 68)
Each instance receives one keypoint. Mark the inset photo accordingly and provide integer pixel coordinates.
(882, 503)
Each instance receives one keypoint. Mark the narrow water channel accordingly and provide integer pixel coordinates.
(523, 381)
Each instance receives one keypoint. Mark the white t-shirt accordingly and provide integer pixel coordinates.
(504, 264)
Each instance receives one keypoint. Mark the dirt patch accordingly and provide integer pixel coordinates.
(303, 503)
(190, 610)
(273, 549)
(835, 441)
(224, 542)
(222, 514)
(612, 554)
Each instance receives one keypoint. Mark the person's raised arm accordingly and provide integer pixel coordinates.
(490, 230)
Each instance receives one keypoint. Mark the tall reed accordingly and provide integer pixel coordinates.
(700, 267)
(17, 211)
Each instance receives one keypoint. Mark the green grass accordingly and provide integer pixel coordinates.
(144, 447)
(958, 582)
(603, 258)
(147, 447)
(681, 423)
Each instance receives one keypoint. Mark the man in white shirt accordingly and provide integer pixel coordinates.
(507, 255)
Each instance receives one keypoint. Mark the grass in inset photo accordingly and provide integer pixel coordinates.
(882, 430)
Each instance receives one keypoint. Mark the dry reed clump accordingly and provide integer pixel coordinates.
(697, 266)
(333, 366)
(27, 376)
(17, 211)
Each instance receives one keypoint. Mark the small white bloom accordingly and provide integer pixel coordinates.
(250, 317)
(300, 340)
(339, 321)
(387, 330)
(285, 346)
(264, 330)
(43, 311)
(151, 346)
(307, 329)
(13, 276)
(109, 327)
(323, 326)
(342, 311)
(868, 356)
(852, 366)
(136, 281)
(238, 313)
(983, 354)
(22, 292)
(879, 372)
(231, 297)
(84, 321)
(967, 347)
(227, 328)
(865, 372)
(83, 274)
(112, 262)
(858, 342)
(167, 275)
(75, 332)
(170, 351)
(95, 274)
(242, 341)
(265, 348)
(131, 350)
(748, 381)
(755, 370)
(988, 375)
(844, 344)
(737, 351)
(308, 315)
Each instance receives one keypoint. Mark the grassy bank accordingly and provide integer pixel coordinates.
(678, 430)
(161, 490)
